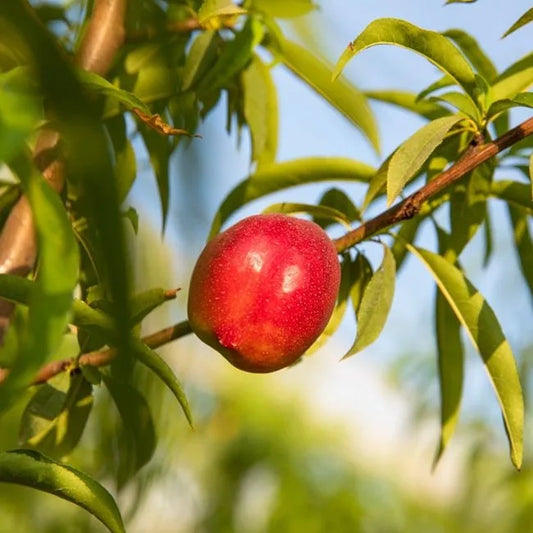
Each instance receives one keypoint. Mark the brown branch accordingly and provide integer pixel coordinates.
(410, 207)
(103, 357)
(18, 247)
(178, 26)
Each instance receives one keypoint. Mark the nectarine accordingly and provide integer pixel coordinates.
(263, 290)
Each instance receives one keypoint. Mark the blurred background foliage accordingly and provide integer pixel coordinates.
(265, 454)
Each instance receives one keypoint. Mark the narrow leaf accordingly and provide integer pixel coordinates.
(485, 332)
(526, 18)
(468, 206)
(279, 176)
(375, 304)
(432, 45)
(414, 152)
(200, 58)
(143, 303)
(140, 438)
(261, 111)
(523, 242)
(361, 274)
(20, 110)
(461, 103)
(406, 235)
(340, 201)
(215, 9)
(30, 468)
(409, 101)
(514, 79)
(513, 192)
(471, 49)
(319, 211)
(99, 85)
(234, 57)
(156, 364)
(342, 95)
(55, 417)
(340, 307)
(450, 363)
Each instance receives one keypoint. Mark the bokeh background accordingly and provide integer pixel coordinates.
(325, 445)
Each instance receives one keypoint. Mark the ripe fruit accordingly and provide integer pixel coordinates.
(263, 290)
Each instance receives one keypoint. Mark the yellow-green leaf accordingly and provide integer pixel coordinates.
(432, 45)
(278, 176)
(486, 334)
(414, 152)
(526, 18)
(32, 469)
(375, 304)
(342, 95)
(261, 111)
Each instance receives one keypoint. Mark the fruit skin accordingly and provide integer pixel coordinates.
(263, 290)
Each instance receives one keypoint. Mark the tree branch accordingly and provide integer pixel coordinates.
(18, 247)
(104, 357)
(410, 207)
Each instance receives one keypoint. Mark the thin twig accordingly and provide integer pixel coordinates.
(104, 357)
(18, 246)
(410, 207)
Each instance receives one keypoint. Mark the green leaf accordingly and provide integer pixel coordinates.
(406, 235)
(519, 100)
(468, 206)
(200, 58)
(375, 304)
(340, 201)
(531, 172)
(279, 176)
(340, 307)
(471, 49)
(100, 85)
(414, 152)
(361, 274)
(261, 111)
(524, 245)
(513, 192)
(125, 169)
(234, 57)
(317, 211)
(133, 217)
(342, 95)
(143, 303)
(51, 295)
(432, 45)
(55, 417)
(20, 110)
(160, 149)
(218, 8)
(461, 103)
(410, 102)
(485, 332)
(526, 18)
(30, 468)
(514, 79)
(442, 83)
(156, 364)
(140, 438)
(284, 8)
(451, 361)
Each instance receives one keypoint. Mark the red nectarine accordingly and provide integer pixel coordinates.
(263, 290)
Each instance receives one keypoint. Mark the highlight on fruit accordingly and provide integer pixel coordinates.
(263, 291)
